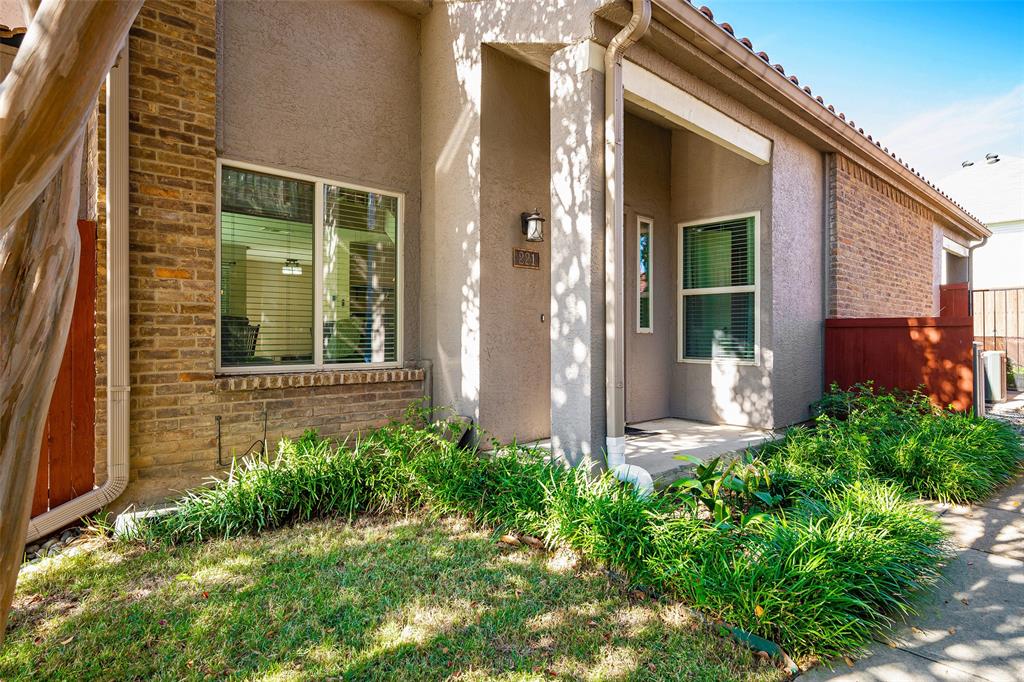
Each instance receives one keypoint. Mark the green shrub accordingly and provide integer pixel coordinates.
(933, 453)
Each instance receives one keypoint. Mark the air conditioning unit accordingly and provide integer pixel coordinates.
(995, 375)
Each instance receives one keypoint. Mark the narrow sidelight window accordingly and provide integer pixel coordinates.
(309, 272)
(644, 275)
(718, 299)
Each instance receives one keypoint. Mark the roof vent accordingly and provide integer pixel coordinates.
(966, 164)
(991, 158)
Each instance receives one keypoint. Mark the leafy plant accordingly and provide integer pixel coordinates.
(732, 494)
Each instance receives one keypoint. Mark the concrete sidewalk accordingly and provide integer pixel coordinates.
(971, 627)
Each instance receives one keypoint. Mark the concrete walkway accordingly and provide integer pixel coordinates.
(971, 627)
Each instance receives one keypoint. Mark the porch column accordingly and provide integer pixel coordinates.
(577, 255)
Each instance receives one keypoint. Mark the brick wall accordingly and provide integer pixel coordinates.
(881, 257)
(175, 394)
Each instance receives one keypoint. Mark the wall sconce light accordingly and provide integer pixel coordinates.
(291, 267)
(533, 226)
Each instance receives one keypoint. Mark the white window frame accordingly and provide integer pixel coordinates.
(318, 364)
(682, 293)
(640, 220)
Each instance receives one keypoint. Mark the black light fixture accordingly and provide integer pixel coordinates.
(533, 226)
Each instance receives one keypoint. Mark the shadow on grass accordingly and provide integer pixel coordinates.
(383, 599)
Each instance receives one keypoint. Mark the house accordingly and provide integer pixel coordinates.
(312, 214)
(993, 188)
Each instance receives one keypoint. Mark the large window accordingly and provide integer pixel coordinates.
(309, 272)
(718, 299)
(644, 274)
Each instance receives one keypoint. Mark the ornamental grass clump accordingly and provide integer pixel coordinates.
(933, 453)
(803, 554)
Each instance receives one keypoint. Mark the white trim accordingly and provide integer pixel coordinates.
(681, 293)
(954, 248)
(654, 93)
(649, 329)
(318, 227)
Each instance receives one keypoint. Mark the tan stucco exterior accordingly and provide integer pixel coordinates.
(475, 112)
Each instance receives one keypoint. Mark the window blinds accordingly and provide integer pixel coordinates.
(266, 232)
(360, 276)
(269, 280)
(718, 296)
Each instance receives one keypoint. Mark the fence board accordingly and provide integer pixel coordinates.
(953, 300)
(904, 353)
(68, 452)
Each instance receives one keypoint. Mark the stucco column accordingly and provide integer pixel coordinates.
(577, 256)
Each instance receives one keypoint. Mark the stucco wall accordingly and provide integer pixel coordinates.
(798, 278)
(650, 357)
(515, 380)
(708, 182)
(292, 94)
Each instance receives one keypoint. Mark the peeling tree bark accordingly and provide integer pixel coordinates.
(38, 271)
(44, 106)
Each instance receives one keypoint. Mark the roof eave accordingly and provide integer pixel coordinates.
(725, 48)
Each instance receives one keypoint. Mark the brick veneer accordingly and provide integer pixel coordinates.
(880, 247)
(175, 393)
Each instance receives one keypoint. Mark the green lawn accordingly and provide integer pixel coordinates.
(381, 599)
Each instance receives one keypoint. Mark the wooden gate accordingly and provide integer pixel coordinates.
(904, 353)
(68, 456)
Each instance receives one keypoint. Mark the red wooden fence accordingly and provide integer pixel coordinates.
(68, 455)
(905, 353)
(954, 300)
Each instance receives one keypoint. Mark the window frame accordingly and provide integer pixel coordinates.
(649, 329)
(318, 364)
(682, 293)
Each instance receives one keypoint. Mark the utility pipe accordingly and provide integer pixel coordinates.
(117, 316)
(614, 233)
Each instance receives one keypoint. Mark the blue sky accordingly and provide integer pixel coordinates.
(937, 82)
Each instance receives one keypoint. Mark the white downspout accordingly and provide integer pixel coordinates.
(117, 316)
(614, 249)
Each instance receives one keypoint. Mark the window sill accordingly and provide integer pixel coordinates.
(253, 382)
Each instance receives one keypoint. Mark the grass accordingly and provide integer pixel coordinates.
(816, 543)
(391, 597)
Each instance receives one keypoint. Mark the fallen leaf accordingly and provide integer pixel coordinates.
(510, 540)
(68, 640)
(916, 630)
(965, 601)
(849, 661)
(638, 595)
(758, 611)
(536, 543)
(652, 667)
(952, 631)
(206, 595)
(891, 644)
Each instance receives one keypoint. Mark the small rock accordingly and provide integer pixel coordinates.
(32, 549)
(66, 535)
(49, 543)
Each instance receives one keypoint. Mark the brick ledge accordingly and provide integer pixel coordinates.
(250, 382)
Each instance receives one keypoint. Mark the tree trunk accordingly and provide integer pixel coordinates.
(44, 104)
(38, 271)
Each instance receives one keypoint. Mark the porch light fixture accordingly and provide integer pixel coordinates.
(291, 267)
(533, 226)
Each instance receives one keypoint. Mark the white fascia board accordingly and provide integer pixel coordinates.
(645, 89)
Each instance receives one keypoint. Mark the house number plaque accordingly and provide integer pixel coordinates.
(524, 258)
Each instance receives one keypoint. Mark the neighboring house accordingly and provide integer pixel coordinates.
(324, 206)
(993, 188)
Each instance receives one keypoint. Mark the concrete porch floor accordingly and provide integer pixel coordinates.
(653, 445)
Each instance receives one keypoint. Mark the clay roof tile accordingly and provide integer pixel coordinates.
(764, 56)
(746, 43)
(706, 11)
(727, 27)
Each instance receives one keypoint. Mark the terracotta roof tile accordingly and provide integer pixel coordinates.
(746, 42)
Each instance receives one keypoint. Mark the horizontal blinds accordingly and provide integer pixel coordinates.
(266, 269)
(719, 255)
(719, 325)
(360, 291)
